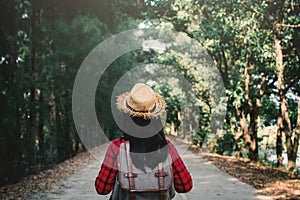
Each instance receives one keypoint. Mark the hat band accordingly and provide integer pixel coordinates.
(132, 109)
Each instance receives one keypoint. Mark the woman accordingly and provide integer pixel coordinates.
(148, 147)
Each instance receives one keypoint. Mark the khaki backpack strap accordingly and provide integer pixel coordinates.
(130, 174)
(161, 175)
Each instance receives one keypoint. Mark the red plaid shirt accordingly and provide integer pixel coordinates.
(106, 178)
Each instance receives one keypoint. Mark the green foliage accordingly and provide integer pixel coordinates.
(293, 108)
(239, 35)
(226, 144)
(173, 104)
(199, 137)
(267, 114)
(39, 58)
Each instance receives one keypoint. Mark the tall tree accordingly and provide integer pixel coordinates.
(284, 121)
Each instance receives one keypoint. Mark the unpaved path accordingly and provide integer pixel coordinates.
(209, 183)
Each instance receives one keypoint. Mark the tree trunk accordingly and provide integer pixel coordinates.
(296, 137)
(213, 125)
(41, 136)
(254, 117)
(279, 141)
(292, 147)
(250, 138)
(68, 136)
(15, 153)
(237, 137)
(250, 146)
(32, 101)
(179, 123)
(225, 74)
(53, 129)
(283, 102)
(253, 130)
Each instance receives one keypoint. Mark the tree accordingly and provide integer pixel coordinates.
(284, 121)
(240, 38)
(43, 45)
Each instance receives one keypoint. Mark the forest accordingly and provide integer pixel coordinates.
(255, 45)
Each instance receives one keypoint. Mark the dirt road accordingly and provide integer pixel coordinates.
(209, 183)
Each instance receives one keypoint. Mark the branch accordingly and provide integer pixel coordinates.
(261, 90)
(247, 81)
(289, 25)
(247, 8)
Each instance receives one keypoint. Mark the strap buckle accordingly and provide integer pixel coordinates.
(130, 175)
(161, 174)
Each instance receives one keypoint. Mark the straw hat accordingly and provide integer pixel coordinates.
(141, 101)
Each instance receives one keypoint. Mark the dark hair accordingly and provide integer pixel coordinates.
(156, 145)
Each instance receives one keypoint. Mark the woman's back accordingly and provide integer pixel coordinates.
(142, 164)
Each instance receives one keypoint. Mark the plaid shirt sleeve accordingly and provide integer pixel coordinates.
(106, 178)
(182, 179)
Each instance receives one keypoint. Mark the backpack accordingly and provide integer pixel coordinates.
(135, 184)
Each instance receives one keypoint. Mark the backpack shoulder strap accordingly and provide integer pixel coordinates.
(160, 174)
(130, 175)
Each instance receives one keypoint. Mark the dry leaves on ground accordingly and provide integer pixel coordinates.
(276, 183)
(46, 179)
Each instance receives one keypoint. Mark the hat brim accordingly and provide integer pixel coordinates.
(157, 111)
